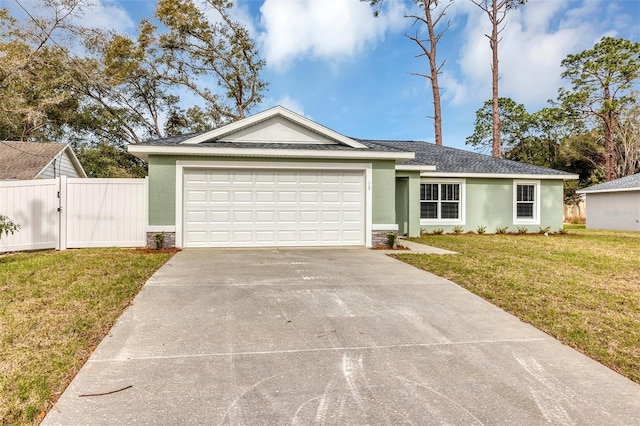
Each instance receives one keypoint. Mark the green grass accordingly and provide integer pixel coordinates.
(55, 307)
(582, 288)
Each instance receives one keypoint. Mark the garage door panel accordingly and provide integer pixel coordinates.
(265, 197)
(225, 208)
(220, 217)
(330, 197)
(197, 216)
(244, 217)
(287, 197)
(329, 216)
(287, 216)
(351, 197)
(310, 217)
(268, 216)
(242, 196)
(219, 196)
(309, 197)
(351, 216)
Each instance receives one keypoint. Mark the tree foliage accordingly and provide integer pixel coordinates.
(602, 80)
(124, 89)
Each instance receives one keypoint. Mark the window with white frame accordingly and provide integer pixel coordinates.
(442, 202)
(526, 198)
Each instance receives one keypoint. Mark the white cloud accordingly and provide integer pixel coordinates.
(102, 14)
(537, 37)
(105, 15)
(325, 29)
(290, 104)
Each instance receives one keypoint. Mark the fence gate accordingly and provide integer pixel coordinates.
(34, 206)
(74, 212)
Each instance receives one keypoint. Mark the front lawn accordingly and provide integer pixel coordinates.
(55, 307)
(582, 288)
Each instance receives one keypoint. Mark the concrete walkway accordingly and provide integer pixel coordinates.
(330, 336)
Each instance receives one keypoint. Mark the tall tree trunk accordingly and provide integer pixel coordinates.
(609, 145)
(493, 42)
(433, 66)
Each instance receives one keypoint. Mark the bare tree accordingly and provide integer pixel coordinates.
(628, 142)
(431, 18)
(497, 11)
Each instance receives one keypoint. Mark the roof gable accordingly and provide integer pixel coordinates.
(277, 125)
(27, 160)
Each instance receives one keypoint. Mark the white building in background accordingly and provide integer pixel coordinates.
(614, 205)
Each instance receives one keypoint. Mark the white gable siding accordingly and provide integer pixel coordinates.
(278, 130)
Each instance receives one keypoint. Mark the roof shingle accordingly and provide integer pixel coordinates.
(24, 160)
(628, 183)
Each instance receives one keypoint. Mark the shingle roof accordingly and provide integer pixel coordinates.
(25, 160)
(446, 159)
(627, 183)
(172, 140)
(453, 160)
(177, 140)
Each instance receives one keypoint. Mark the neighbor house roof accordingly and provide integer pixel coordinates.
(27, 160)
(627, 183)
(453, 161)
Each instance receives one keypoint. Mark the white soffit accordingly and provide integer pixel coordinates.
(275, 125)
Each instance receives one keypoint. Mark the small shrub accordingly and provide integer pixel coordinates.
(522, 229)
(562, 231)
(423, 232)
(502, 229)
(481, 229)
(438, 231)
(458, 229)
(391, 240)
(544, 230)
(7, 226)
(158, 239)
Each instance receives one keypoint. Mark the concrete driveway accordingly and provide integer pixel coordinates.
(330, 336)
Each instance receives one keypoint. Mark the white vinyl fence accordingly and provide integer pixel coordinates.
(73, 212)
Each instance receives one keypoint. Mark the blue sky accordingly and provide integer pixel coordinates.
(331, 61)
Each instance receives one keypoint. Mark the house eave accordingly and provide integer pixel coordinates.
(600, 191)
(143, 152)
(499, 175)
(416, 168)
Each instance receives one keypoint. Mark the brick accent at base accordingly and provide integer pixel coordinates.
(379, 238)
(168, 240)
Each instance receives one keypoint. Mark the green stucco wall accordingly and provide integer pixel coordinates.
(162, 185)
(162, 190)
(489, 203)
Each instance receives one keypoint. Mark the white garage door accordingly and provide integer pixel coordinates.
(248, 208)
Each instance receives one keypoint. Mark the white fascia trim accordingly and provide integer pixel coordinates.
(497, 176)
(600, 191)
(186, 164)
(417, 168)
(75, 161)
(161, 228)
(385, 227)
(145, 150)
(273, 112)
